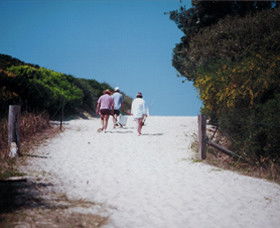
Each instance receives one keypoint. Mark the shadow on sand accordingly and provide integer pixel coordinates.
(16, 195)
(34, 156)
(120, 132)
(153, 134)
(31, 204)
(130, 132)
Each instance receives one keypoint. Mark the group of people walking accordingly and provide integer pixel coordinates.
(112, 103)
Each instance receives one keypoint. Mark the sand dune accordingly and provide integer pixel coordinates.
(152, 180)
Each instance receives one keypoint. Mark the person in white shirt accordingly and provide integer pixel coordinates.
(139, 111)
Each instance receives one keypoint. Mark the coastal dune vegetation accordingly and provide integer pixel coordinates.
(38, 89)
(43, 94)
(230, 51)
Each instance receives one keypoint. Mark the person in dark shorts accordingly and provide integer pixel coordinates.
(105, 107)
(118, 102)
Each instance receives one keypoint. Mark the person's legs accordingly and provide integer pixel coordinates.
(115, 120)
(139, 127)
(102, 123)
(106, 118)
(115, 117)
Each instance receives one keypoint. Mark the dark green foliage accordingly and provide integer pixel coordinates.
(7, 61)
(230, 39)
(206, 13)
(91, 89)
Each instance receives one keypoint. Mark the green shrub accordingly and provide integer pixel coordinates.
(44, 89)
(39, 89)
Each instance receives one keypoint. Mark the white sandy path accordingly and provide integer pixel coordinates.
(152, 181)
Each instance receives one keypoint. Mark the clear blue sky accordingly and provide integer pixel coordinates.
(126, 43)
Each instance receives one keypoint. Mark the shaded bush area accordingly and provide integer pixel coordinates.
(235, 64)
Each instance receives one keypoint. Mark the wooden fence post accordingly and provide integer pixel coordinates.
(202, 136)
(13, 130)
(62, 103)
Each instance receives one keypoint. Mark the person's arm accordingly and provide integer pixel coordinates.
(97, 108)
(98, 105)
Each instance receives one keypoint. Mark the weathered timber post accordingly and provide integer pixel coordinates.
(61, 118)
(13, 130)
(202, 136)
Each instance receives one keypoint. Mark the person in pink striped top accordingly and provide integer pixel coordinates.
(105, 108)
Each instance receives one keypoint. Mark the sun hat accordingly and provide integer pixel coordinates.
(116, 89)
